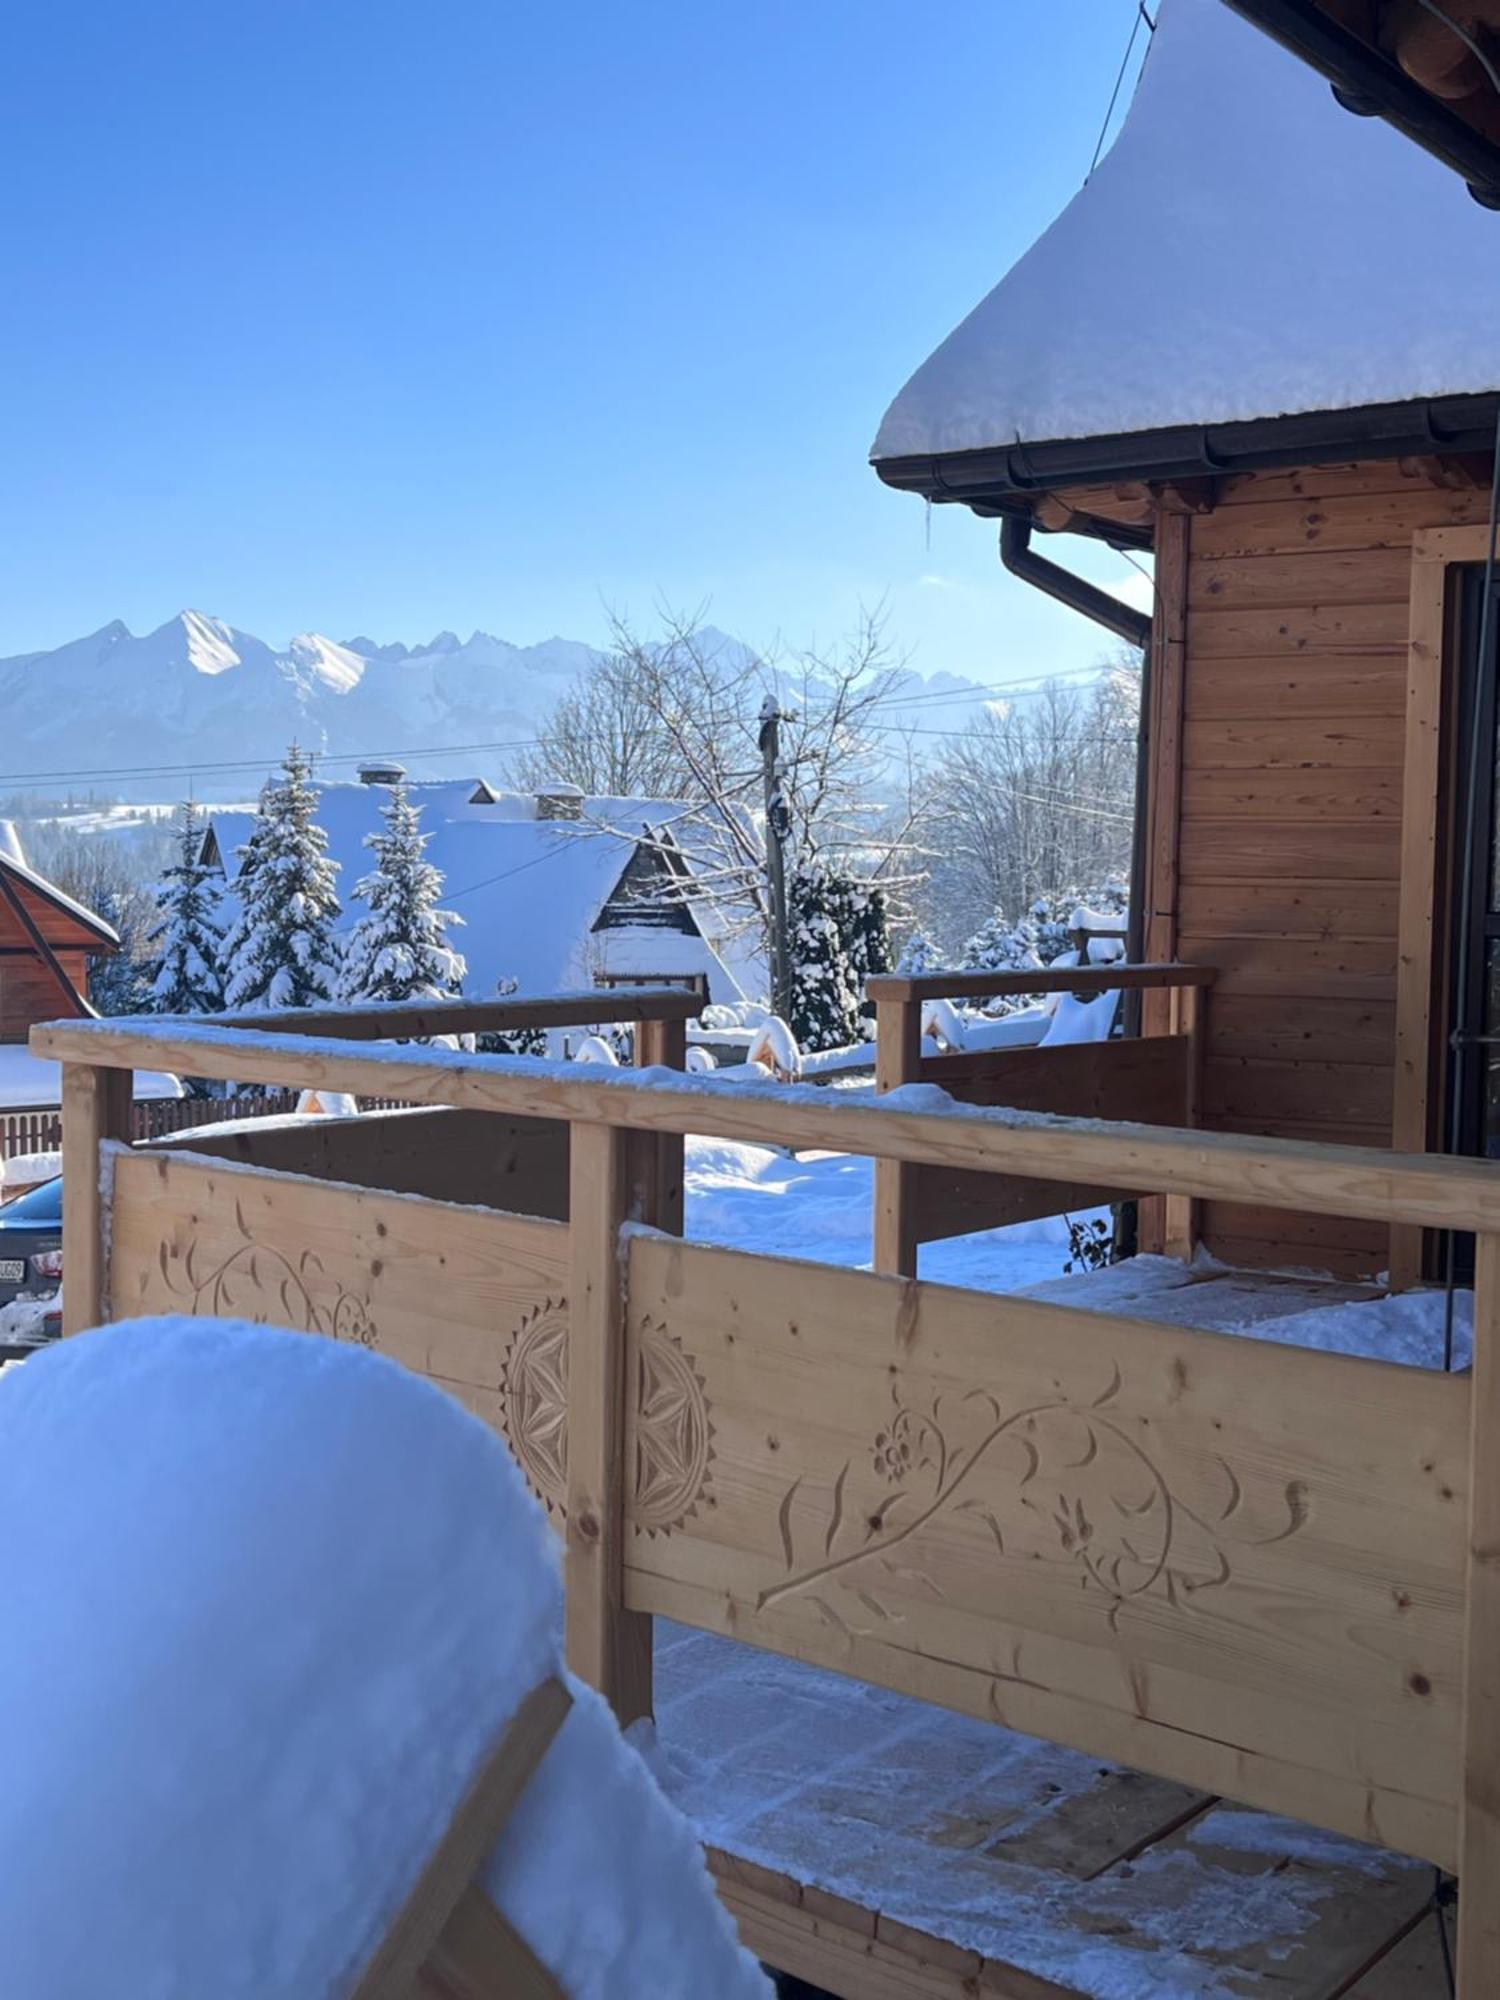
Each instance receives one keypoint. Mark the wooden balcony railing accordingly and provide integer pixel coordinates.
(1153, 1080)
(1252, 1569)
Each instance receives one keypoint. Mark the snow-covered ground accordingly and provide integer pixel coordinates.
(820, 1206)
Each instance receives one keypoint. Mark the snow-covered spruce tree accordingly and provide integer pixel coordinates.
(280, 952)
(863, 919)
(187, 965)
(918, 955)
(825, 989)
(399, 949)
(119, 982)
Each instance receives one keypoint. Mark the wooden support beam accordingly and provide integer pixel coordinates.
(1479, 1799)
(607, 1645)
(1181, 1211)
(656, 1158)
(898, 1058)
(95, 1107)
(377, 1021)
(1051, 979)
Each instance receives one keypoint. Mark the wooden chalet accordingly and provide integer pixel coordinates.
(1263, 344)
(46, 942)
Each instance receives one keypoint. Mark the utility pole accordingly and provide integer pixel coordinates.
(778, 826)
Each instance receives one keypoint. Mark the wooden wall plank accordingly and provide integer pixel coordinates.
(1317, 912)
(1274, 742)
(1227, 632)
(474, 1300)
(1297, 968)
(1317, 577)
(1326, 521)
(1150, 1543)
(1315, 1030)
(1338, 1093)
(1256, 850)
(1333, 684)
(1353, 796)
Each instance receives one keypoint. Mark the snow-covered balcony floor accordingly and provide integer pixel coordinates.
(950, 1857)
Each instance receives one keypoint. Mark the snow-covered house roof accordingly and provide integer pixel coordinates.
(1244, 252)
(537, 895)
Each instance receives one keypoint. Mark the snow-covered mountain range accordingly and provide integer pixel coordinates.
(200, 692)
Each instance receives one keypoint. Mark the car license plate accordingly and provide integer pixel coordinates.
(12, 1270)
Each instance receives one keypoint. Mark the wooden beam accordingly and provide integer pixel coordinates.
(1181, 1216)
(377, 1021)
(1416, 928)
(1360, 1181)
(1052, 979)
(656, 1158)
(95, 1107)
(608, 1646)
(898, 1059)
(1479, 1800)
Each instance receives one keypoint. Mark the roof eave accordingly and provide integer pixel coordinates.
(1004, 479)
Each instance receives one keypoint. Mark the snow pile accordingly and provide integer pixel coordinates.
(594, 1049)
(1262, 284)
(29, 1322)
(34, 1083)
(774, 1046)
(320, 1103)
(279, 1597)
(27, 1170)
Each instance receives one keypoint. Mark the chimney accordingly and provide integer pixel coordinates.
(381, 774)
(559, 801)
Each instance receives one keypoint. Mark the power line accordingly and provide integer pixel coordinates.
(1114, 95)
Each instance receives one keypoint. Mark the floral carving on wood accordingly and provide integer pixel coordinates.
(673, 1434)
(1089, 1492)
(534, 1397)
(258, 1282)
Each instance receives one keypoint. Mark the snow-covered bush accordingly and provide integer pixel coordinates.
(280, 950)
(187, 969)
(399, 950)
(825, 987)
(595, 1049)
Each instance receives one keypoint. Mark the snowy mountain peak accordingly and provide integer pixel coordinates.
(338, 667)
(209, 641)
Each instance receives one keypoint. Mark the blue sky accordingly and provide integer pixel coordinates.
(385, 317)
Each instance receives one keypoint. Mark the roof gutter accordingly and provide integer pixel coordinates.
(993, 479)
(1018, 556)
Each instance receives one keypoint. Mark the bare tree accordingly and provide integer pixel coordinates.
(1038, 795)
(677, 717)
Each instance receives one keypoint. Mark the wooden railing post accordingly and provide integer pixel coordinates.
(898, 1056)
(1479, 1794)
(656, 1158)
(607, 1645)
(1186, 1019)
(95, 1107)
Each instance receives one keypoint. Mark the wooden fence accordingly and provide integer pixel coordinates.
(1255, 1570)
(1151, 1080)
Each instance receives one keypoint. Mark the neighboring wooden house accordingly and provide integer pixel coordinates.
(46, 942)
(1263, 342)
(555, 890)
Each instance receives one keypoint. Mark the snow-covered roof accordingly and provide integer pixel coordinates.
(33, 1083)
(529, 890)
(1245, 250)
(13, 863)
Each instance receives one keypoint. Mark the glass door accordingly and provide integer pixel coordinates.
(1474, 1024)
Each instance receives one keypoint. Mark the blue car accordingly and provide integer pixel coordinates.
(30, 1270)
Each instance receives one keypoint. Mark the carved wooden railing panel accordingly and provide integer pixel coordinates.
(471, 1298)
(1239, 1565)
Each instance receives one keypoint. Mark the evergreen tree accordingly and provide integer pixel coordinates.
(185, 973)
(119, 982)
(825, 988)
(863, 918)
(280, 952)
(918, 955)
(399, 951)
